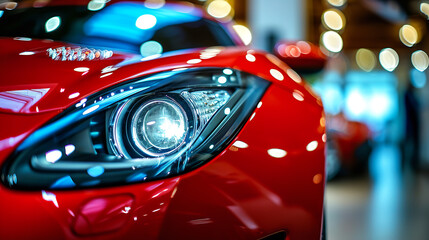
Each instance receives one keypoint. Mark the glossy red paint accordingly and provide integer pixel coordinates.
(67, 83)
(270, 179)
(301, 55)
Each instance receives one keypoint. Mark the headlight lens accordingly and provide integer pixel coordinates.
(150, 128)
(159, 126)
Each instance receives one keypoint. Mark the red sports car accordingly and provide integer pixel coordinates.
(128, 120)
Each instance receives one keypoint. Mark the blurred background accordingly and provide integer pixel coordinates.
(375, 92)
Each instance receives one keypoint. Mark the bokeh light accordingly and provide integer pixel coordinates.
(420, 60)
(389, 59)
(332, 41)
(337, 3)
(366, 59)
(424, 8)
(408, 35)
(333, 19)
(244, 33)
(219, 9)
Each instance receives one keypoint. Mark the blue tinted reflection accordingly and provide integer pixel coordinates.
(64, 182)
(115, 22)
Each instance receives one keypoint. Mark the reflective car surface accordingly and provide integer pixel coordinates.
(124, 120)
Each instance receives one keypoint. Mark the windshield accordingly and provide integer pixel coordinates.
(124, 26)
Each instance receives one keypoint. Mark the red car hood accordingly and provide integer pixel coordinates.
(32, 82)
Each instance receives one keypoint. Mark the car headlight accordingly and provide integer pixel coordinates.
(150, 128)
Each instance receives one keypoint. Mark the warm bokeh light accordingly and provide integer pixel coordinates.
(244, 33)
(420, 60)
(389, 59)
(366, 59)
(332, 41)
(9, 5)
(424, 8)
(333, 19)
(408, 35)
(219, 9)
(337, 3)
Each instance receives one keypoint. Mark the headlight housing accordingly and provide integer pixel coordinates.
(150, 128)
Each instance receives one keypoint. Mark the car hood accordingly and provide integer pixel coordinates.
(34, 82)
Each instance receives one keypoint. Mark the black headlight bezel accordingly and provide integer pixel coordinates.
(21, 173)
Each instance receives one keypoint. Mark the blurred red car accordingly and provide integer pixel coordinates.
(349, 146)
(120, 120)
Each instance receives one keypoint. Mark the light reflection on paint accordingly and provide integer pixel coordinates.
(74, 95)
(53, 156)
(50, 197)
(146, 21)
(277, 74)
(26, 53)
(95, 171)
(293, 75)
(81, 69)
(70, 148)
(91, 109)
(64, 182)
(222, 80)
(227, 111)
(106, 75)
(317, 179)
(250, 58)
(312, 146)
(155, 56)
(298, 95)
(240, 144)
(227, 71)
(277, 153)
(194, 61)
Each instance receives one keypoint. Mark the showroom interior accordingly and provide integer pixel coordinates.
(375, 93)
(376, 76)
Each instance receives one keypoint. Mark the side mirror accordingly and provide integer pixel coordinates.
(304, 57)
